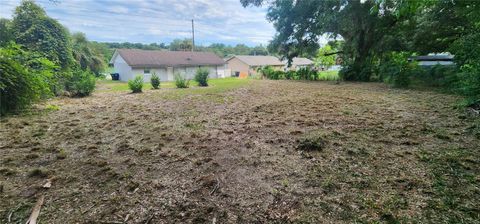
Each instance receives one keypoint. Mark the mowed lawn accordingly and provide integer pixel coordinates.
(243, 151)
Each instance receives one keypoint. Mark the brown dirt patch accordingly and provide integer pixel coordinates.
(137, 158)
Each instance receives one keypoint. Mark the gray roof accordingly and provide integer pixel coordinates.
(300, 61)
(146, 58)
(438, 57)
(258, 60)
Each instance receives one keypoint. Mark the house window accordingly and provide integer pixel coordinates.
(146, 71)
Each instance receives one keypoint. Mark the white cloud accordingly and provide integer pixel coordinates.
(148, 21)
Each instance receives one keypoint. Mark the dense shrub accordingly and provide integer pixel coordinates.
(397, 71)
(439, 76)
(266, 72)
(307, 74)
(24, 78)
(136, 84)
(201, 76)
(181, 81)
(155, 81)
(82, 83)
(290, 75)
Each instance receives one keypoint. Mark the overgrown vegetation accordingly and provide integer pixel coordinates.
(201, 76)
(155, 81)
(40, 59)
(377, 37)
(301, 74)
(181, 82)
(136, 84)
(82, 83)
(25, 78)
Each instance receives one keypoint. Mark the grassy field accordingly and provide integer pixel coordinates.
(328, 76)
(218, 84)
(243, 151)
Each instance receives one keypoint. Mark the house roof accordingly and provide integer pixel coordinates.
(258, 60)
(146, 58)
(438, 57)
(301, 61)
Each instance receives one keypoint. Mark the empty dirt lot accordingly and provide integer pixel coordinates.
(229, 153)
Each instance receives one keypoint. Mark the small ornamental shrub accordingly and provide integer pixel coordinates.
(201, 76)
(181, 81)
(155, 81)
(82, 83)
(136, 84)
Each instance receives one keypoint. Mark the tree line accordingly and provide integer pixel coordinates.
(379, 36)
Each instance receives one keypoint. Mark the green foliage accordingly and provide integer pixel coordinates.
(328, 76)
(181, 45)
(24, 79)
(270, 73)
(155, 81)
(35, 31)
(181, 82)
(201, 76)
(397, 71)
(136, 84)
(323, 59)
(307, 74)
(86, 55)
(81, 84)
(5, 32)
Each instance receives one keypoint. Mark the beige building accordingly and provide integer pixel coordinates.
(298, 63)
(242, 65)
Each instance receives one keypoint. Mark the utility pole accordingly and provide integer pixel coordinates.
(193, 37)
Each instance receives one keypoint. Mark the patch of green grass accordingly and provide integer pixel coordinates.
(455, 189)
(328, 76)
(51, 107)
(215, 86)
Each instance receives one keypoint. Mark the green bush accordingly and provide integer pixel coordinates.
(307, 74)
(82, 83)
(397, 71)
(201, 76)
(25, 78)
(136, 84)
(155, 81)
(181, 81)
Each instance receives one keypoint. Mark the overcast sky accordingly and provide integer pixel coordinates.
(157, 21)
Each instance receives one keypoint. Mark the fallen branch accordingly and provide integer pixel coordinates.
(36, 211)
(216, 187)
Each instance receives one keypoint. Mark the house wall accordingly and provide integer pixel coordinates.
(432, 63)
(189, 71)
(236, 65)
(161, 73)
(121, 67)
(166, 74)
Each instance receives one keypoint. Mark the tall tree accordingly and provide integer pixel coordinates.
(181, 45)
(86, 55)
(34, 30)
(5, 32)
(361, 24)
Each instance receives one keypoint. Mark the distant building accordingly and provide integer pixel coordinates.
(298, 63)
(431, 60)
(129, 63)
(243, 65)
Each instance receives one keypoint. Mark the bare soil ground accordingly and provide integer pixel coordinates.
(231, 155)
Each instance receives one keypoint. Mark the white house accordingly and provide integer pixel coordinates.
(129, 63)
(434, 59)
